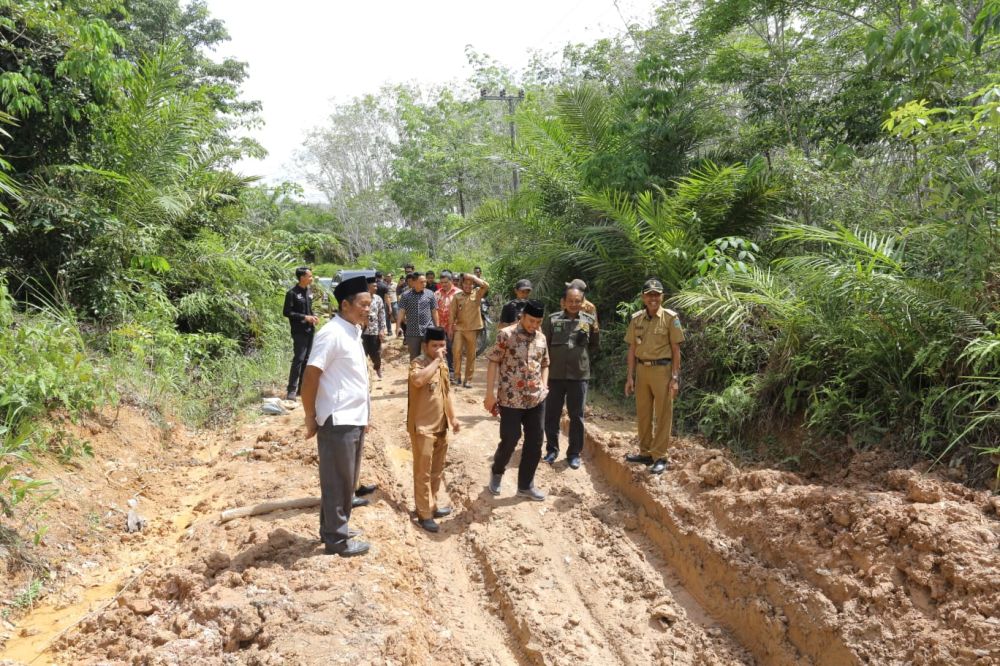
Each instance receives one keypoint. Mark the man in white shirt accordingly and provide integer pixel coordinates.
(337, 408)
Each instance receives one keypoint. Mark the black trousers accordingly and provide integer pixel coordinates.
(340, 449)
(512, 420)
(572, 393)
(373, 347)
(301, 346)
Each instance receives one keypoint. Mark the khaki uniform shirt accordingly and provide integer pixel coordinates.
(428, 407)
(465, 311)
(653, 336)
(521, 358)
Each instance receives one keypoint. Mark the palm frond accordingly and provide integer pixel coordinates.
(871, 251)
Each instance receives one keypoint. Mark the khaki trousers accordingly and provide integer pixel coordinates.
(654, 403)
(465, 341)
(428, 468)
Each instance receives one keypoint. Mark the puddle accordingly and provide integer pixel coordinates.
(46, 622)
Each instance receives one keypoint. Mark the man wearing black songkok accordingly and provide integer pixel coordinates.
(517, 384)
(337, 409)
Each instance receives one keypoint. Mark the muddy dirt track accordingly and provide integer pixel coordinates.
(708, 564)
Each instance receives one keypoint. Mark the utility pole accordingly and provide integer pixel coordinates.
(511, 100)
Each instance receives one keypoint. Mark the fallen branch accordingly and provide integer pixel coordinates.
(268, 507)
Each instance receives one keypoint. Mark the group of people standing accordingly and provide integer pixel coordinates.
(454, 303)
(539, 365)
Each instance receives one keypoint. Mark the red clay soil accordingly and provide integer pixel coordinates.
(706, 564)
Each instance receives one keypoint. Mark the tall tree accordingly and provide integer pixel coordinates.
(349, 160)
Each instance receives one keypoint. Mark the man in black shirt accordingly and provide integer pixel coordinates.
(432, 285)
(511, 312)
(298, 309)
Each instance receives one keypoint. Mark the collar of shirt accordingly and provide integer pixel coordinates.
(354, 329)
(650, 317)
(523, 333)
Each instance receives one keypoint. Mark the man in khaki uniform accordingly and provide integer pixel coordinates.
(654, 336)
(429, 413)
(466, 323)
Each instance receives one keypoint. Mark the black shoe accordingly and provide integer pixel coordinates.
(349, 548)
(639, 458)
(550, 457)
(466, 384)
(430, 525)
(495, 483)
(658, 466)
(573, 462)
(358, 501)
(365, 490)
(291, 395)
(442, 512)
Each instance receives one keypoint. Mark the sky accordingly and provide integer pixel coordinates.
(307, 55)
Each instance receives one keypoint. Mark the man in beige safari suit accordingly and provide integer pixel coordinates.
(654, 338)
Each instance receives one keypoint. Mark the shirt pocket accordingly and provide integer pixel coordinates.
(536, 353)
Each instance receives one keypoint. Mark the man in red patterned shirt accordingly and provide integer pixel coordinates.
(517, 384)
(444, 295)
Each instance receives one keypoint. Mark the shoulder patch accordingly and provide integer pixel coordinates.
(670, 312)
(636, 314)
(587, 316)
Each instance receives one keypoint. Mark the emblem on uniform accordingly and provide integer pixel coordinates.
(677, 322)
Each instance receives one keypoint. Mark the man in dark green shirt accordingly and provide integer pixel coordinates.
(573, 337)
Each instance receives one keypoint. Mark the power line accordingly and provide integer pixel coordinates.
(511, 100)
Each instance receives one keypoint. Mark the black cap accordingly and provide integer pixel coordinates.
(652, 285)
(434, 333)
(522, 284)
(348, 288)
(378, 274)
(534, 308)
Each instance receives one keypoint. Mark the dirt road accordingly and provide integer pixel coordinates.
(705, 565)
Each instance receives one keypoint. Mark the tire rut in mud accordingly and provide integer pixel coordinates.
(572, 578)
(896, 568)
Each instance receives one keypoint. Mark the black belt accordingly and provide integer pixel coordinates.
(657, 361)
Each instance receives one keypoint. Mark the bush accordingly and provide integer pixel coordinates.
(44, 364)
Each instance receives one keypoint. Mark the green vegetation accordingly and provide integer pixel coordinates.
(137, 266)
(816, 184)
